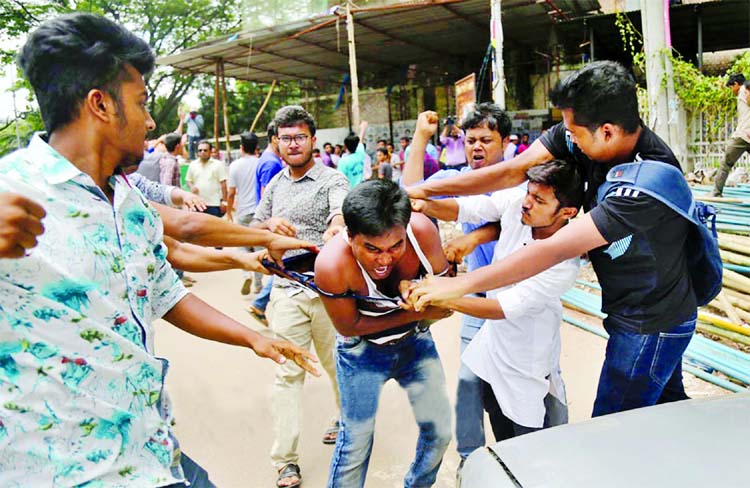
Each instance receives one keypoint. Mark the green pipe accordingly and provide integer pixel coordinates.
(721, 382)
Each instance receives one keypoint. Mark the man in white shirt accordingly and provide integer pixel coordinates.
(517, 352)
(510, 149)
(207, 177)
(242, 188)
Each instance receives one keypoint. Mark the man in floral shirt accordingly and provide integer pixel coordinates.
(82, 393)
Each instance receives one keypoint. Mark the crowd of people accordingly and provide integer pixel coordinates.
(92, 231)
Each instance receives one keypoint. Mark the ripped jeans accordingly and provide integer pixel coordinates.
(362, 368)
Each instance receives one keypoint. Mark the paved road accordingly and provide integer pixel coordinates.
(221, 396)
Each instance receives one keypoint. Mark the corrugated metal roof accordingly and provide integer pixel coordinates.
(438, 35)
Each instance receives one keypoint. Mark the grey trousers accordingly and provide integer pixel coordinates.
(735, 148)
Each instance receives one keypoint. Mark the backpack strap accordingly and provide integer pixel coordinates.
(663, 182)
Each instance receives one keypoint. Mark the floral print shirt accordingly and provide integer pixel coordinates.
(82, 399)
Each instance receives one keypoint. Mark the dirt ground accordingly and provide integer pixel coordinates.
(221, 396)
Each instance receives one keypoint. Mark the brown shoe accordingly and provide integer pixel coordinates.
(258, 314)
(246, 286)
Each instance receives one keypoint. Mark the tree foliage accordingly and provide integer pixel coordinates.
(169, 26)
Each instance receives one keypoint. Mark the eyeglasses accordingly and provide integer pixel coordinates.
(204, 150)
(299, 139)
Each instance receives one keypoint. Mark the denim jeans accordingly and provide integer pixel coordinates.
(261, 301)
(642, 369)
(469, 411)
(193, 146)
(195, 476)
(362, 368)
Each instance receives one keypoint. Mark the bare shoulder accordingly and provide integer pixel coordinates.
(424, 229)
(334, 265)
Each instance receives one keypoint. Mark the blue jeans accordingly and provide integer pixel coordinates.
(640, 370)
(362, 368)
(261, 301)
(193, 146)
(195, 476)
(469, 411)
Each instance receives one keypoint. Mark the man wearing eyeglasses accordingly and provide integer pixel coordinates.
(303, 200)
(207, 177)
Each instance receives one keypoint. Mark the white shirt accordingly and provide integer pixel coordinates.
(242, 177)
(510, 151)
(742, 131)
(207, 177)
(520, 355)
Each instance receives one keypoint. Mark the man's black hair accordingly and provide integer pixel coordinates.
(375, 206)
(68, 56)
(292, 116)
(351, 142)
(383, 141)
(383, 150)
(563, 177)
(490, 115)
(171, 141)
(327, 144)
(405, 139)
(271, 130)
(602, 92)
(316, 151)
(738, 78)
(206, 141)
(249, 142)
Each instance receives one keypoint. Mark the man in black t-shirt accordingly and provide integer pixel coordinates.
(635, 242)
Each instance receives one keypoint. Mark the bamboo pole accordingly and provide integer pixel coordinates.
(728, 308)
(352, 64)
(706, 198)
(228, 158)
(732, 336)
(216, 105)
(735, 280)
(723, 323)
(263, 106)
(734, 258)
(738, 299)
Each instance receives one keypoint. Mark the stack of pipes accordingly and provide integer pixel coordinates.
(702, 358)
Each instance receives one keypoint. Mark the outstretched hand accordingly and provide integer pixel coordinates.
(458, 248)
(280, 351)
(281, 244)
(432, 290)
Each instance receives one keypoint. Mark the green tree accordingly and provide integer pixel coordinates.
(169, 26)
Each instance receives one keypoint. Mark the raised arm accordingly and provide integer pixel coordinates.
(484, 180)
(413, 171)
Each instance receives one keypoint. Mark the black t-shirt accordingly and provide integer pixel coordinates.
(643, 270)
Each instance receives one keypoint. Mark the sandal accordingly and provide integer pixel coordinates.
(258, 315)
(291, 470)
(330, 435)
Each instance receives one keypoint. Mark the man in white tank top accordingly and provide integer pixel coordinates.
(359, 273)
